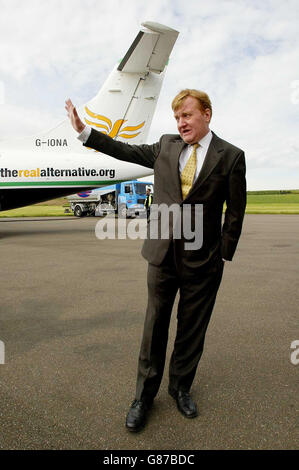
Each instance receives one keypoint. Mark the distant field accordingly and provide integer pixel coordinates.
(53, 208)
(258, 202)
(272, 203)
(35, 211)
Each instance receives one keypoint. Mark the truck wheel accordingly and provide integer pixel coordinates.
(78, 211)
(122, 211)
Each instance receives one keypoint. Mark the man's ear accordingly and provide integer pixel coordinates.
(207, 114)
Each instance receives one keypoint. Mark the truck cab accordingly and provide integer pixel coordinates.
(131, 197)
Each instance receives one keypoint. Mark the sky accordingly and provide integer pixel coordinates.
(244, 54)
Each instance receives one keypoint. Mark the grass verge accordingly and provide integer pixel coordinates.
(266, 203)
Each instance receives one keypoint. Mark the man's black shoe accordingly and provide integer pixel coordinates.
(184, 403)
(136, 416)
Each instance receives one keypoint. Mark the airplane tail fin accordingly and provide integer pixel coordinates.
(125, 105)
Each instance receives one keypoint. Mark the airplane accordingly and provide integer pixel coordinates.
(55, 163)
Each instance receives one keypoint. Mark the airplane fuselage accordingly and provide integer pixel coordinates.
(31, 177)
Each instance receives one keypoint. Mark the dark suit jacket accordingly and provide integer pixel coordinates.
(221, 179)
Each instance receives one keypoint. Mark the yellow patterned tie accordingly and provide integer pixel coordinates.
(187, 175)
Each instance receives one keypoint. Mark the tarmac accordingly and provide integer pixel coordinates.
(71, 319)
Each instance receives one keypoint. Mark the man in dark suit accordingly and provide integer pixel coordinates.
(193, 168)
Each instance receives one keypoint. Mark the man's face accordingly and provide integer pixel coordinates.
(192, 123)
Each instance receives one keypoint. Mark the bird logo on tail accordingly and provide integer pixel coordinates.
(106, 126)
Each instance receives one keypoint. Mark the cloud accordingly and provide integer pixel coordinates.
(244, 54)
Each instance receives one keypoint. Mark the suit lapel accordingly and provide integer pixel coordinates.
(212, 158)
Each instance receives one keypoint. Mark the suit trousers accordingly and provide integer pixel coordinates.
(197, 286)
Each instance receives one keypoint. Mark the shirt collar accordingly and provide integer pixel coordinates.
(206, 140)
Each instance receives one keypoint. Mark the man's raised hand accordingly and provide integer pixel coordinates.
(73, 116)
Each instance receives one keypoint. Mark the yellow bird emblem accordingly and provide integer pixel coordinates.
(106, 126)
